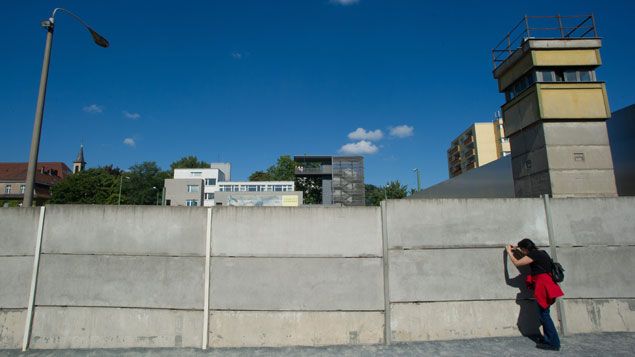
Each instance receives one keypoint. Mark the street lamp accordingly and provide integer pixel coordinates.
(156, 189)
(418, 179)
(39, 109)
(121, 184)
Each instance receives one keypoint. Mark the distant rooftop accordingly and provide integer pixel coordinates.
(543, 27)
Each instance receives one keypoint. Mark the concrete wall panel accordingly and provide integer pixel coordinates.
(575, 133)
(81, 327)
(143, 230)
(18, 230)
(464, 320)
(598, 272)
(120, 281)
(294, 328)
(15, 281)
(308, 231)
(11, 328)
(600, 315)
(594, 221)
(452, 274)
(465, 222)
(297, 284)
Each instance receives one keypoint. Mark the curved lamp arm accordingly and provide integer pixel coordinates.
(99, 39)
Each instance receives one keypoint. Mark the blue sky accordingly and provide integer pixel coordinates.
(247, 81)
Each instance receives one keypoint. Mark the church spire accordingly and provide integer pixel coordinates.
(79, 164)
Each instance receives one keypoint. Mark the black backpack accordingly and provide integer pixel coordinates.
(557, 272)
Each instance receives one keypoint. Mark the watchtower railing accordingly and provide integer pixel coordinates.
(555, 27)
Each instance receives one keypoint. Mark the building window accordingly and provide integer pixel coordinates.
(210, 182)
(192, 188)
(22, 188)
(197, 173)
(191, 203)
(209, 196)
(7, 189)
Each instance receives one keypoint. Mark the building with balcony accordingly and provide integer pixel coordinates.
(555, 107)
(340, 179)
(478, 145)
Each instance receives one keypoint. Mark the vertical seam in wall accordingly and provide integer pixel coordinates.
(36, 264)
(554, 255)
(385, 255)
(208, 239)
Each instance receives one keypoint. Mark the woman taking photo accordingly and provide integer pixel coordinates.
(545, 289)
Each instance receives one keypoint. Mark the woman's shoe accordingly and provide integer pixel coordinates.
(545, 346)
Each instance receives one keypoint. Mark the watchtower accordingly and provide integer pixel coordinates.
(555, 107)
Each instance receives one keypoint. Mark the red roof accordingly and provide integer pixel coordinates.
(48, 173)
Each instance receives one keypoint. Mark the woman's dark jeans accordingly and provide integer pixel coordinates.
(549, 329)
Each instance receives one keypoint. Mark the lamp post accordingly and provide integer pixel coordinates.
(156, 189)
(121, 184)
(418, 179)
(39, 109)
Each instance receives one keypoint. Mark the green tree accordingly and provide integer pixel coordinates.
(145, 184)
(260, 176)
(188, 162)
(311, 188)
(395, 190)
(283, 169)
(91, 186)
(374, 195)
(392, 190)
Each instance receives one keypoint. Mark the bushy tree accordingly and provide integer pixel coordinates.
(392, 190)
(374, 195)
(188, 162)
(283, 170)
(395, 190)
(311, 188)
(144, 185)
(91, 186)
(260, 176)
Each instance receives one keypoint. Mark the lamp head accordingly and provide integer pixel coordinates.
(99, 39)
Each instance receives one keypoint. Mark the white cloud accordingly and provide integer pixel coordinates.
(129, 142)
(344, 2)
(359, 148)
(133, 116)
(402, 131)
(93, 108)
(237, 55)
(361, 134)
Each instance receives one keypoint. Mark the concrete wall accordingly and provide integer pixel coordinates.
(449, 277)
(133, 276)
(18, 230)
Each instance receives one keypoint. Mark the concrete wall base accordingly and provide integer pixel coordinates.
(97, 327)
(11, 328)
(294, 328)
(452, 320)
(600, 315)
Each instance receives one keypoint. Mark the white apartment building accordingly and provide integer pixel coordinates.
(197, 187)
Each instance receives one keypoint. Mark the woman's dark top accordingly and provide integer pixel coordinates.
(541, 262)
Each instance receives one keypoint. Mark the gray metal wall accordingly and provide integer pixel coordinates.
(134, 276)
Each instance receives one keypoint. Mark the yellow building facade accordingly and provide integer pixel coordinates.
(554, 115)
(478, 145)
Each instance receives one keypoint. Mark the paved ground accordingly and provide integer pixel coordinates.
(605, 344)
